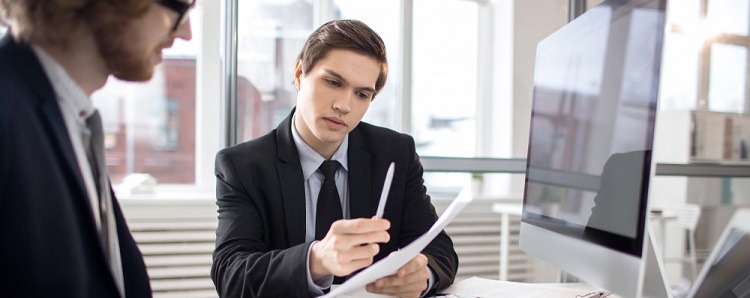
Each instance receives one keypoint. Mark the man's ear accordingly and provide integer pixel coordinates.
(297, 73)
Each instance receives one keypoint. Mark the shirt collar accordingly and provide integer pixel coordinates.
(311, 160)
(68, 92)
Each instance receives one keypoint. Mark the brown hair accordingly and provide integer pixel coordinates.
(345, 34)
(52, 21)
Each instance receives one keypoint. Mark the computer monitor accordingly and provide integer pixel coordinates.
(589, 162)
(726, 272)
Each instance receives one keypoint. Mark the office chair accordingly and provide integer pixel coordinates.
(687, 216)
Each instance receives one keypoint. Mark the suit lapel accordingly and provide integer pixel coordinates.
(56, 125)
(360, 182)
(27, 64)
(292, 184)
(50, 115)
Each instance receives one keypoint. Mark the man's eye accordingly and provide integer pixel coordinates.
(363, 95)
(333, 83)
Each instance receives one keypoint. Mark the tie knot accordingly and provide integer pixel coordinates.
(94, 122)
(329, 167)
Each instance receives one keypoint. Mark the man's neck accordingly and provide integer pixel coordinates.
(81, 60)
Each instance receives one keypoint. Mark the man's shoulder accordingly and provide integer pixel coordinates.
(260, 147)
(18, 68)
(10, 53)
(12, 89)
(8, 73)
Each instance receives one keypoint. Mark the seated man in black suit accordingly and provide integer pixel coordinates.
(62, 233)
(272, 239)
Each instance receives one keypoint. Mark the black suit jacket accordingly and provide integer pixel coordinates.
(260, 240)
(49, 244)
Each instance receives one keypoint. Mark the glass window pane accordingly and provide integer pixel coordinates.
(444, 94)
(383, 17)
(679, 73)
(729, 16)
(727, 78)
(684, 12)
(270, 36)
(442, 185)
(150, 127)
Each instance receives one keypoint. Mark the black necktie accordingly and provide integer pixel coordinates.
(329, 204)
(108, 230)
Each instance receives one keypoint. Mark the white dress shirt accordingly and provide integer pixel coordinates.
(75, 107)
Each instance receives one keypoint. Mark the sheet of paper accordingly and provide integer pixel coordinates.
(393, 262)
(481, 287)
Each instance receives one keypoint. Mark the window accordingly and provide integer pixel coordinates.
(705, 56)
(383, 17)
(727, 78)
(270, 35)
(155, 127)
(143, 124)
(679, 73)
(445, 78)
(439, 87)
(729, 16)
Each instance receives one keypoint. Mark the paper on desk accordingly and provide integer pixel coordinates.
(481, 287)
(389, 265)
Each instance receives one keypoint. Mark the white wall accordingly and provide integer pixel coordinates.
(540, 19)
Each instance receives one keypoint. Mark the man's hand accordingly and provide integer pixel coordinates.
(350, 245)
(409, 281)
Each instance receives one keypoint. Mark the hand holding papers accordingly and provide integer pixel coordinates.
(393, 262)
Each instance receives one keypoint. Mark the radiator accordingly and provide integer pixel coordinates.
(177, 239)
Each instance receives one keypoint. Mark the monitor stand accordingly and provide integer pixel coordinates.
(654, 282)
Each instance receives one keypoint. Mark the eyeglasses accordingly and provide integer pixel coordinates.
(181, 7)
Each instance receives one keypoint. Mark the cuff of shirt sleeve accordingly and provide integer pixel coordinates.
(430, 282)
(316, 287)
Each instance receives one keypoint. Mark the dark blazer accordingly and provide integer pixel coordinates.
(260, 240)
(49, 244)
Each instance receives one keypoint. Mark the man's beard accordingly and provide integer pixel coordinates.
(116, 43)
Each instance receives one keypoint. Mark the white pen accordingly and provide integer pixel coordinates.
(386, 189)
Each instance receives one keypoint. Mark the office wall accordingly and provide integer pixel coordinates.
(533, 21)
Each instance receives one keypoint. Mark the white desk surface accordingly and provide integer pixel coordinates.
(482, 288)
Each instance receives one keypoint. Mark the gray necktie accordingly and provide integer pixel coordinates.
(108, 231)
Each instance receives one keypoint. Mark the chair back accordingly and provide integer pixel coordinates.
(687, 215)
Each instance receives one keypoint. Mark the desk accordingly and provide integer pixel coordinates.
(507, 209)
(481, 287)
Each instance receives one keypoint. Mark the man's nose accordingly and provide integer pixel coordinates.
(184, 31)
(343, 104)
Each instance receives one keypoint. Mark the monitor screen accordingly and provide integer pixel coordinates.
(726, 272)
(591, 136)
(592, 125)
(729, 274)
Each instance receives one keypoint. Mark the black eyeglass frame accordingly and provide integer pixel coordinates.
(181, 8)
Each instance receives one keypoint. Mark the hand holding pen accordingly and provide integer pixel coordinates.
(351, 244)
(411, 279)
